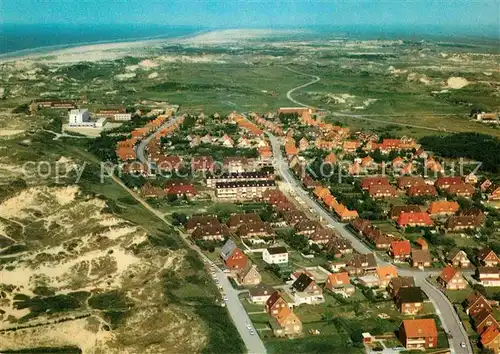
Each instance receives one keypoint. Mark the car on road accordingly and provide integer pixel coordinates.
(226, 299)
(252, 332)
(249, 326)
(463, 345)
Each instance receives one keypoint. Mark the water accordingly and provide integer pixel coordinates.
(21, 39)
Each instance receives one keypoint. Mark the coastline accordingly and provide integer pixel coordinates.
(71, 48)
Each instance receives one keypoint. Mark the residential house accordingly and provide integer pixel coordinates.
(211, 232)
(421, 258)
(195, 221)
(418, 334)
(445, 182)
(488, 258)
(396, 210)
(237, 220)
(400, 250)
(422, 243)
(495, 195)
(339, 283)
(331, 159)
(475, 303)
(307, 227)
(321, 236)
(338, 246)
(382, 191)
(249, 275)
(286, 324)
(490, 339)
(406, 182)
(212, 180)
(232, 256)
(385, 274)
(451, 279)
(457, 223)
(189, 191)
(442, 208)
(414, 219)
(395, 284)
(359, 225)
(374, 181)
(484, 319)
(409, 300)
(276, 304)
(458, 258)
(488, 276)
(461, 190)
(256, 232)
(471, 178)
(422, 191)
(306, 291)
(361, 264)
(260, 294)
(294, 216)
(275, 255)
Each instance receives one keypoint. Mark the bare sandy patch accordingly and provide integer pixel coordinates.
(455, 82)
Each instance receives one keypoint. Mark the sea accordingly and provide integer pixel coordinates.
(22, 39)
(18, 40)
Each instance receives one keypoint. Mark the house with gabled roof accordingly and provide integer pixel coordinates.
(484, 319)
(249, 275)
(458, 258)
(385, 274)
(451, 279)
(414, 219)
(236, 220)
(488, 276)
(396, 283)
(276, 304)
(260, 294)
(306, 291)
(445, 182)
(400, 250)
(232, 256)
(490, 339)
(461, 190)
(286, 324)
(211, 232)
(475, 303)
(488, 258)
(442, 208)
(409, 300)
(396, 210)
(422, 191)
(418, 334)
(420, 258)
(422, 243)
(405, 182)
(202, 220)
(339, 283)
(382, 191)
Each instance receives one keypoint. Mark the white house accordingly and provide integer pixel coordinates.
(260, 293)
(79, 117)
(275, 255)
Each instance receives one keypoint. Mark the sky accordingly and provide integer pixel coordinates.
(255, 13)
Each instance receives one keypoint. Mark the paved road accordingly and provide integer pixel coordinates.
(141, 148)
(236, 310)
(289, 93)
(449, 319)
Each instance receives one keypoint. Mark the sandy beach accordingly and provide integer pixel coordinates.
(116, 50)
